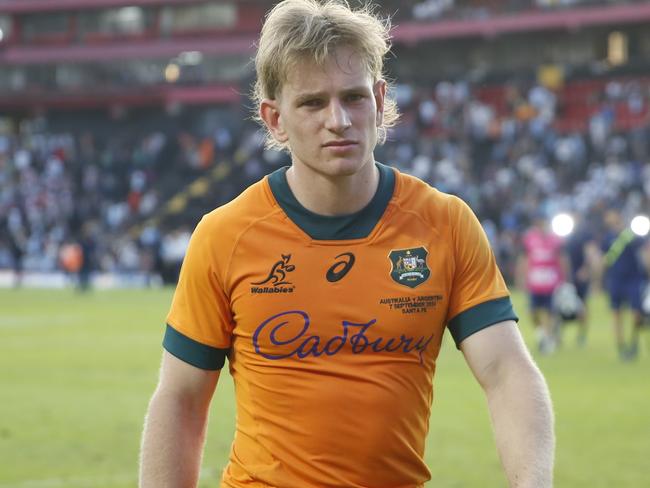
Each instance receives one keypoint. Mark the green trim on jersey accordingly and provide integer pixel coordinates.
(193, 352)
(479, 317)
(618, 246)
(323, 227)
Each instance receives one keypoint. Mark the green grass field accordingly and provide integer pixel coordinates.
(76, 373)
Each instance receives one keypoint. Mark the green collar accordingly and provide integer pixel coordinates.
(321, 227)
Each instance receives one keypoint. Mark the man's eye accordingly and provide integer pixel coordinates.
(355, 97)
(312, 102)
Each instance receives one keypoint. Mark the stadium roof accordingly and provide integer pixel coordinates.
(30, 6)
(569, 19)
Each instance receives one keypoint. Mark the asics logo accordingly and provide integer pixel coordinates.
(340, 268)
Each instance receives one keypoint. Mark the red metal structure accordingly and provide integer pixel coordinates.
(40, 58)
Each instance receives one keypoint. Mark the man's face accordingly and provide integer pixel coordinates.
(328, 114)
(613, 220)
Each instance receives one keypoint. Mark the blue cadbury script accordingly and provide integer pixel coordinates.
(302, 345)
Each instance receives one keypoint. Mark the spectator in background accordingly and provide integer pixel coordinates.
(542, 268)
(585, 262)
(16, 239)
(17, 244)
(88, 249)
(172, 251)
(71, 258)
(626, 273)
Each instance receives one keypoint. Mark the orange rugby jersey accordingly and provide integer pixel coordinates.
(332, 326)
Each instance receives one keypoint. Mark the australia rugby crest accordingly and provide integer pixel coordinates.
(409, 266)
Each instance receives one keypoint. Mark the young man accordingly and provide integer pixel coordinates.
(328, 286)
(585, 259)
(543, 267)
(625, 260)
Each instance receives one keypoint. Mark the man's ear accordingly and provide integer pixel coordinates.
(379, 91)
(270, 114)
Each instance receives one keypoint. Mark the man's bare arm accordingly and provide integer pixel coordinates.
(175, 425)
(519, 403)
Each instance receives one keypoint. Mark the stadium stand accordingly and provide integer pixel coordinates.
(124, 122)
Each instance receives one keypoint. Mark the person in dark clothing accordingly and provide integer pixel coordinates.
(584, 257)
(625, 276)
(17, 244)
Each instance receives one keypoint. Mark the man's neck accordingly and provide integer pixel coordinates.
(333, 196)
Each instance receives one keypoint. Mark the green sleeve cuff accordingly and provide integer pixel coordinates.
(479, 317)
(193, 352)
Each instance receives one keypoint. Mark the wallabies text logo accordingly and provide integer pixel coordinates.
(409, 266)
(276, 281)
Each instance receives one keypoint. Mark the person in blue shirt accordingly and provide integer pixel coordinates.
(626, 261)
(585, 259)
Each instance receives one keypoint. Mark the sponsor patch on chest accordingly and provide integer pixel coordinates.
(409, 266)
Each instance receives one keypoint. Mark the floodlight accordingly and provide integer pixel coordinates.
(640, 225)
(562, 224)
(172, 73)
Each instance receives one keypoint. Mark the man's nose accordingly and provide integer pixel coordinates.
(338, 118)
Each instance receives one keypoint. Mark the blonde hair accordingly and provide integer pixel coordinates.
(312, 29)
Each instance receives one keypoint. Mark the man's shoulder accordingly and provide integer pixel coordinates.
(229, 221)
(251, 204)
(416, 194)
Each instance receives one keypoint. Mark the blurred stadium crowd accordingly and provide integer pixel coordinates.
(123, 187)
(101, 185)
(107, 184)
